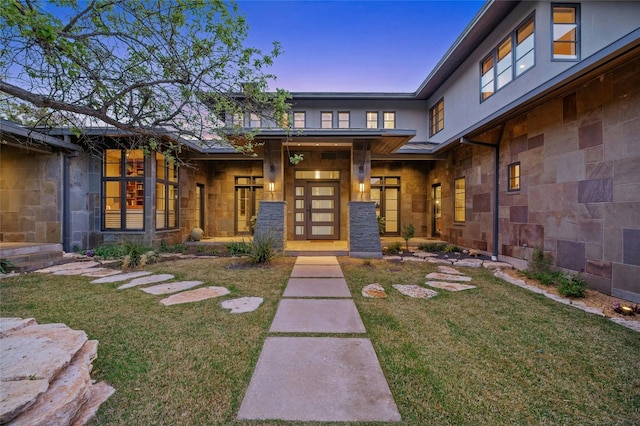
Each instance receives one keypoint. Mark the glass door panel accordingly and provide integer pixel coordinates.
(437, 210)
(316, 212)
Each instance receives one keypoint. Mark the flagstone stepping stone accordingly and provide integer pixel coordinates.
(68, 266)
(439, 261)
(424, 254)
(449, 286)
(447, 277)
(242, 305)
(448, 270)
(412, 259)
(101, 272)
(171, 287)
(195, 295)
(496, 265)
(80, 271)
(392, 258)
(415, 291)
(120, 277)
(8, 325)
(149, 279)
(469, 263)
(375, 291)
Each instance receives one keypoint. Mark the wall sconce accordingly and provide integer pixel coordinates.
(272, 186)
(362, 187)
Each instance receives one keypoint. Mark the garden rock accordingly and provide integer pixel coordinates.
(448, 270)
(171, 287)
(68, 266)
(449, 286)
(101, 272)
(398, 258)
(242, 305)
(375, 291)
(447, 277)
(424, 254)
(146, 280)
(439, 261)
(412, 259)
(415, 291)
(496, 265)
(469, 263)
(120, 277)
(195, 295)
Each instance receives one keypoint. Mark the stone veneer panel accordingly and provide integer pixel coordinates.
(271, 223)
(595, 191)
(625, 282)
(631, 246)
(570, 255)
(364, 238)
(590, 135)
(519, 214)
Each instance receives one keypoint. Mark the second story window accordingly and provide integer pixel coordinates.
(565, 32)
(343, 119)
(372, 119)
(436, 118)
(512, 57)
(389, 120)
(299, 120)
(326, 119)
(254, 120)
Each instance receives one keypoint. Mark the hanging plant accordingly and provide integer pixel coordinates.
(296, 158)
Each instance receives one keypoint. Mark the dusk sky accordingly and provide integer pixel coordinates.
(356, 46)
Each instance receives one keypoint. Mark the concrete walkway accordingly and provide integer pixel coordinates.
(309, 378)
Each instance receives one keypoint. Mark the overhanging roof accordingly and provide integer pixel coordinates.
(19, 133)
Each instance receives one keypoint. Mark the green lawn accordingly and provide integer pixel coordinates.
(493, 355)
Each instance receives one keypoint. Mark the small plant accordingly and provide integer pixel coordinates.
(408, 232)
(366, 262)
(394, 247)
(296, 158)
(572, 285)
(432, 247)
(262, 249)
(451, 248)
(539, 261)
(176, 248)
(382, 224)
(5, 265)
(238, 248)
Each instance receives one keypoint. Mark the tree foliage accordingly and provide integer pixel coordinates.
(149, 67)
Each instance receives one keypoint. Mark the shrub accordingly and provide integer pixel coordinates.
(262, 249)
(572, 285)
(451, 248)
(539, 261)
(408, 232)
(133, 254)
(394, 247)
(176, 248)
(238, 248)
(382, 223)
(432, 247)
(5, 264)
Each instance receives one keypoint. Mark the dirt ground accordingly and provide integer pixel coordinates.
(593, 299)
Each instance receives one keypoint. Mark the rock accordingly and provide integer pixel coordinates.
(448, 270)
(449, 286)
(68, 266)
(415, 291)
(101, 272)
(98, 394)
(375, 291)
(195, 295)
(171, 287)
(447, 277)
(10, 325)
(17, 396)
(469, 263)
(496, 265)
(424, 254)
(74, 271)
(439, 261)
(120, 277)
(392, 258)
(412, 259)
(242, 305)
(150, 279)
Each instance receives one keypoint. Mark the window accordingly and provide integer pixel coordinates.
(326, 120)
(389, 120)
(254, 120)
(199, 211)
(513, 177)
(436, 117)
(459, 200)
(249, 192)
(343, 120)
(372, 119)
(236, 119)
(565, 32)
(123, 174)
(385, 191)
(299, 119)
(502, 65)
(166, 192)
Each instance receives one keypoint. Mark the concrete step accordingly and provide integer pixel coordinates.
(25, 257)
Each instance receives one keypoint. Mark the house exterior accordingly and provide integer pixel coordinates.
(526, 135)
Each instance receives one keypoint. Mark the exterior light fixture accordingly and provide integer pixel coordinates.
(272, 187)
(362, 187)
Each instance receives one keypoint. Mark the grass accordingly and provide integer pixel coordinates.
(493, 355)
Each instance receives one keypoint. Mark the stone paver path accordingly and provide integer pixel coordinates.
(150, 279)
(171, 287)
(324, 379)
(195, 295)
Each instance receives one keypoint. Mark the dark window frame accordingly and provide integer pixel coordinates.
(322, 121)
(514, 182)
(122, 180)
(436, 118)
(578, 23)
(167, 184)
(348, 113)
(456, 207)
(385, 121)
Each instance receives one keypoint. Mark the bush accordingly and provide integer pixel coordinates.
(238, 248)
(451, 248)
(263, 248)
(176, 248)
(539, 261)
(382, 223)
(394, 247)
(408, 232)
(133, 254)
(432, 247)
(572, 285)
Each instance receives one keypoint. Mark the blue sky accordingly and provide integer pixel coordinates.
(356, 46)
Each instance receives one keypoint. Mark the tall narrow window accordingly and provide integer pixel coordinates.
(513, 177)
(385, 191)
(199, 213)
(249, 192)
(389, 120)
(372, 119)
(525, 47)
(459, 200)
(299, 119)
(504, 64)
(487, 80)
(565, 32)
(343, 119)
(326, 120)
(166, 192)
(254, 120)
(436, 118)
(123, 175)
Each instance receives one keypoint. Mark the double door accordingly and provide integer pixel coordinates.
(317, 210)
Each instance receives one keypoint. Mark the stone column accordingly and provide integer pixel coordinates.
(364, 238)
(271, 223)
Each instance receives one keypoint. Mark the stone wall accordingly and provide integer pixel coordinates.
(364, 239)
(270, 223)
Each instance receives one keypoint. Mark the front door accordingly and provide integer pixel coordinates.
(317, 210)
